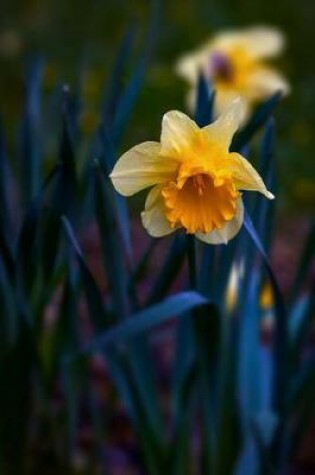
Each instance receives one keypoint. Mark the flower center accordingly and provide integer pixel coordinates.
(221, 67)
(200, 205)
(200, 183)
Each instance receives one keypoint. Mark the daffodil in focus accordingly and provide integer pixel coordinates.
(236, 64)
(196, 182)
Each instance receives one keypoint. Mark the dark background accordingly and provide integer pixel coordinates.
(79, 39)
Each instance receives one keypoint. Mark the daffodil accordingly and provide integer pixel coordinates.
(196, 182)
(235, 63)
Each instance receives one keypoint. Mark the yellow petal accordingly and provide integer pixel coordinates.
(266, 81)
(228, 231)
(178, 131)
(140, 167)
(222, 130)
(245, 176)
(153, 217)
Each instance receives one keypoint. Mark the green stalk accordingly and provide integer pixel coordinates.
(203, 363)
(192, 261)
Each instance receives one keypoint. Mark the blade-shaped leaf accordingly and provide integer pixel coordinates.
(147, 319)
(281, 327)
(97, 308)
(130, 94)
(263, 209)
(107, 160)
(205, 100)
(256, 122)
(115, 84)
(171, 267)
(30, 154)
(305, 263)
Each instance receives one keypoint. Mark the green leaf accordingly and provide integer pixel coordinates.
(205, 100)
(115, 84)
(264, 210)
(27, 252)
(256, 122)
(130, 94)
(301, 322)
(146, 320)
(305, 262)
(97, 308)
(30, 158)
(107, 160)
(49, 244)
(228, 435)
(281, 327)
(131, 371)
(142, 264)
(64, 195)
(112, 244)
(249, 370)
(170, 269)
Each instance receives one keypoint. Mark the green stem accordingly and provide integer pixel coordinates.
(192, 265)
(202, 362)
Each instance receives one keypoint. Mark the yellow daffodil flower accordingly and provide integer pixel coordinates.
(196, 180)
(235, 63)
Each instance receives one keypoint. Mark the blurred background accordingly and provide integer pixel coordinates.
(78, 41)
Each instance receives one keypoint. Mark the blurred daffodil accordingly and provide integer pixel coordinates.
(235, 63)
(196, 180)
(233, 291)
(233, 286)
(266, 297)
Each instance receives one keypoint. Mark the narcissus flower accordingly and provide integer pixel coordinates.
(235, 63)
(196, 180)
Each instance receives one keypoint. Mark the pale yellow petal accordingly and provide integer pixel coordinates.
(178, 132)
(228, 231)
(265, 82)
(191, 99)
(245, 176)
(264, 42)
(259, 41)
(225, 97)
(222, 130)
(153, 217)
(222, 101)
(190, 65)
(140, 167)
